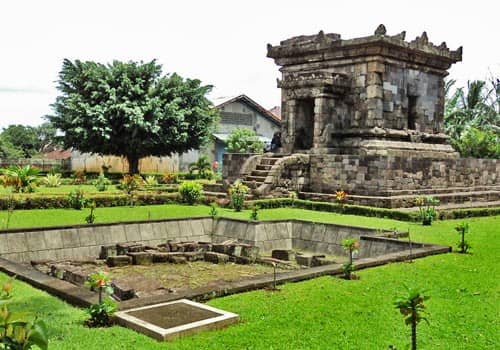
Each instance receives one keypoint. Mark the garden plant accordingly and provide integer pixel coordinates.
(190, 191)
(101, 314)
(237, 193)
(462, 229)
(427, 209)
(350, 245)
(412, 307)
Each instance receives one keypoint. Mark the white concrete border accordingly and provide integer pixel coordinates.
(165, 334)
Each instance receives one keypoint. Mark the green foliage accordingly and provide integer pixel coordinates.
(213, 210)
(130, 183)
(21, 178)
(129, 109)
(351, 245)
(89, 219)
(79, 177)
(190, 192)
(23, 138)
(427, 209)
(101, 183)
(472, 118)
(254, 214)
(412, 307)
(237, 193)
(202, 167)
(15, 332)
(52, 180)
(76, 199)
(101, 314)
(150, 181)
(170, 178)
(462, 229)
(242, 140)
(8, 150)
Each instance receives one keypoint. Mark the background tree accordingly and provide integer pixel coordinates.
(131, 110)
(472, 118)
(7, 149)
(23, 138)
(242, 140)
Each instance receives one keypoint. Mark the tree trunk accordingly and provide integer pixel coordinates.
(133, 165)
(413, 335)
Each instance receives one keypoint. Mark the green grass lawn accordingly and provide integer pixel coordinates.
(327, 312)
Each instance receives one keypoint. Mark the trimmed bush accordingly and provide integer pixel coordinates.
(190, 192)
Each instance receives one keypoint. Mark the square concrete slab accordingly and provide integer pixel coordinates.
(169, 321)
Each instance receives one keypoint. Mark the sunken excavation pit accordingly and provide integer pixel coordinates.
(200, 258)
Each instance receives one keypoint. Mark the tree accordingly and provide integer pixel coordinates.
(242, 140)
(131, 110)
(472, 118)
(7, 149)
(23, 138)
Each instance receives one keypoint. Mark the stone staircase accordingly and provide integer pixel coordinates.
(263, 173)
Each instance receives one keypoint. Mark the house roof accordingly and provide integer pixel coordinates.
(222, 101)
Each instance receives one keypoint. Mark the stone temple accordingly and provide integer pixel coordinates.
(365, 115)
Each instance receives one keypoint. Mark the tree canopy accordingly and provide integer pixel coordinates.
(472, 118)
(130, 109)
(242, 140)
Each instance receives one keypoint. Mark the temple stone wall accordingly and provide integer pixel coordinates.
(379, 175)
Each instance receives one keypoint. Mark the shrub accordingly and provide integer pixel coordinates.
(170, 178)
(79, 177)
(190, 191)
(237, 193)
(101, 314)
(202, 167)
(52, 180)
(213, 210)
(76, 199)
(427, 209)
(130, 183)
(242, 140)
(89, 219)
(15, 332)
(22, 179)
(150, 181)
(254, 214)
(101, 183)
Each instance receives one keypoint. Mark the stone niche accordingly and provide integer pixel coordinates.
(369, 112)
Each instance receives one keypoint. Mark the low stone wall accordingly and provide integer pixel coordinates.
(72, 242)
(82, 241)
(380, 175)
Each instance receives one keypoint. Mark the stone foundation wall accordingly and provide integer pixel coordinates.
(382, 175)
(232, 164)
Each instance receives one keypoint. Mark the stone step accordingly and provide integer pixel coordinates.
(215, 194)
(255, 178)
(260, 173)
(263, 167)
(268, 161)
(252, 184)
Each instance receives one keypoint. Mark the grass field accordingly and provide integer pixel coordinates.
(327, 312)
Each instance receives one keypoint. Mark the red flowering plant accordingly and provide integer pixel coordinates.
(341, 198)
(350, 245)
(101, 314)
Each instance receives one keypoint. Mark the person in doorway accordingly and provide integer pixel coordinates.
(276, 141)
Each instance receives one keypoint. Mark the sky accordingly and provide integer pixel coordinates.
(222, 43)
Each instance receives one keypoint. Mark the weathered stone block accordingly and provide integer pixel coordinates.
(124, 248)
(123, 291)
(119, 260)
(283, 254)
(374, 91)
(216, 258)
(141, 258)
(193, 256)
(376, 67)
(108, 250)
(178, 259)
(303, 260)
(161, 257)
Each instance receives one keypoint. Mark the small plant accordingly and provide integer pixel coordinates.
(462, 229)
(351, 246)
(190, 191)
(150, 181)
(76, 199)
(202, 167)
(130, 183)
(89, 219)
(101, 183)
(237, 193)
(79, 177)
(427, 208)
(10, 211)
(15, 332)
(293, 196)
(254, 214)
(170, 178)
(213, 210)
(22, 179)
(52, 180)
(101, 314)
(412, 307)
(341, 198)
